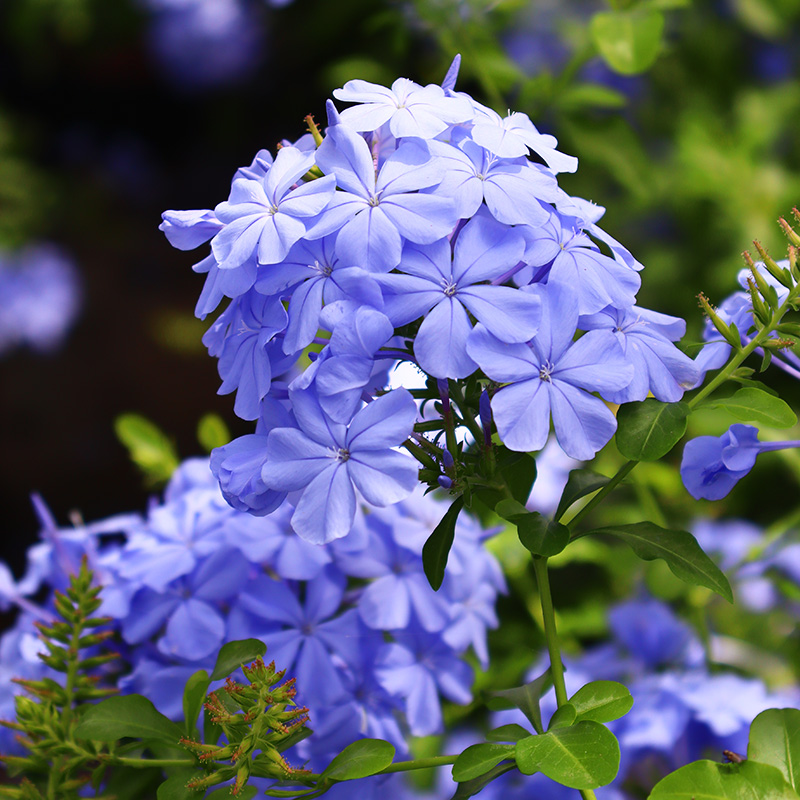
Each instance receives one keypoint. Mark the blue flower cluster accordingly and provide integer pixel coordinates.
(423, 227)
(41, 291)
(681, 711)
(372, 646)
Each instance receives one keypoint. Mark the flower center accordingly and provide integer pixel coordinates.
(449, 289)
(374, 201)
(545, 370)
(342, 454)
(324, 269)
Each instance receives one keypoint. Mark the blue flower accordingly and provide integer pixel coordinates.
(263, 219)
(445, 284)
(329, 460)
(408, 108)
(375, 212)
(553, 375)
(713, 465)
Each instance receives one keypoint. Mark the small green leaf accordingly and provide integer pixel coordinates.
(539, 535)
(564, 716)
(212, 432)
(525, 698)
(583, 756)
(470, 788)
(360, 759)
(233, 654)
(437, 548)
(678, 548)
(648, 430)
(579, 483)
(128, 716)
(149, 448)
(507, 733)
(775, 740)
(602, 701)
(708, 780)
(628, 41)
(753, 405)
(194, 695)
(174, 787)
(478, 759)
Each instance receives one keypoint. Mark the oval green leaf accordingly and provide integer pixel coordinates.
(129, 716)
(212, 432)
(754, 405)
(478, 759)
(233, 654)
(679, 549)
(602, 701)
(174, 787)
(507, 733)
(647, 431)
(194, 695)
(708, 780)
(437, 547)
(628, 41)
(359, 760)
(583, 756)
(775, 740)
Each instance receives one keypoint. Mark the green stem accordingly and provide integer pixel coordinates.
(587, 794)
(621, 473)
(403, 766)
(457, 395)
(144, 763)
(550, 633)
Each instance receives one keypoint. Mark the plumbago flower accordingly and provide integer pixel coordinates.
(420, 226)
(354, 621)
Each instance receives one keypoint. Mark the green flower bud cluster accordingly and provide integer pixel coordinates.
(259, 720)
(58, 764)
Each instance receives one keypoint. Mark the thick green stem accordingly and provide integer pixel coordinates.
(621, 473)
(550, 633)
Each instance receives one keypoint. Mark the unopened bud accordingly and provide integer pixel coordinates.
(445, 482)
(730, 337)
(789, 231)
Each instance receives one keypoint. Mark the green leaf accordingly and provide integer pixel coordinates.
(132, 715)
(212, 432)
(437, 548)
(471, 788)
(754, 405)
(478, 759)
(628, 41)
(519, 471)
(564, 716)
(708, 780)
(194, 695)
(602, 701)
(360, 759)
(775, 740)
(525, 698)
(539, 535)
(579, 483)
(507, 733)
(149, 448)
(648, 430)
(678, 548)
(174, 787)
(583, 756)
(233, 654)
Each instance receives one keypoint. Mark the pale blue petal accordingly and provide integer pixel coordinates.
(327, 507)
(441, 343)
